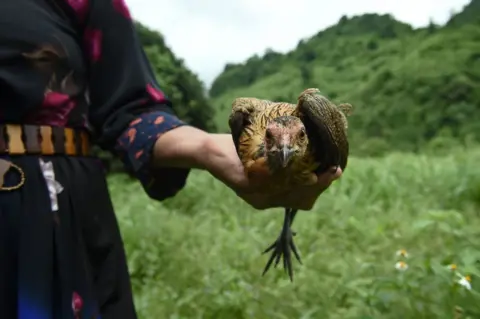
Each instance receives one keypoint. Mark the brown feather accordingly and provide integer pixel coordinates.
(326, 125)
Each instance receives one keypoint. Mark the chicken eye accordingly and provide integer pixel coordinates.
(302, 134)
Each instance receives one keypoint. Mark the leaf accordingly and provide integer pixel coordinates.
(422, 224)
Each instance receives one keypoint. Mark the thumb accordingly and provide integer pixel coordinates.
(325, 179)
(336, 173)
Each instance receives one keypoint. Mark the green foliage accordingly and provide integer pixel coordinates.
(406, 85)
(198, 255)
(468, 15)
(246, 74)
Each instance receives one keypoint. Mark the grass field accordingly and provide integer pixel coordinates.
(198, 255)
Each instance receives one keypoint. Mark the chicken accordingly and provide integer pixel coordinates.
(289, 145)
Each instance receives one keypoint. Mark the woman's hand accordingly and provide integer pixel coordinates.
(302, 197)
(189, 147)
(222, 162)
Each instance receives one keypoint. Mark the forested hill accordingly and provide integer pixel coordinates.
(410, 87)
(178, 82)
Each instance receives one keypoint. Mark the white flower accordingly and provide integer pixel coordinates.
(401, 265)
(465, 282)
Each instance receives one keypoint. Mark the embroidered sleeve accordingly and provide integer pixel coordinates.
(129, 111)
(135, 148)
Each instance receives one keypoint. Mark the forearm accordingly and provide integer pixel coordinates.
(182, 147)
(188, 147)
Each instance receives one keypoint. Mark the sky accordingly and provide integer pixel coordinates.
(208, 34)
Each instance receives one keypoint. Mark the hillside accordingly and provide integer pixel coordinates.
(408, 86)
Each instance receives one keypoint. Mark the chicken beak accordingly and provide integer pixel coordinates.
(286, 155)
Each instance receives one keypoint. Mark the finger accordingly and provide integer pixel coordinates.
(325, 179)
(336, 173)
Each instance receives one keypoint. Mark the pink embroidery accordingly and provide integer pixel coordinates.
(55, 99)
(155, 94)
(80, 7)
(54, 111)
(77, 303)
(93, 42)
(122, 8)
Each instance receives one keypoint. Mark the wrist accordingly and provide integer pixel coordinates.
(211, 151)
(205, 152)
(221, 160)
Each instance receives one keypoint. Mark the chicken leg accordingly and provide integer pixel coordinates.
(284, 245)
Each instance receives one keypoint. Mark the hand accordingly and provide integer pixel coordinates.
(300, 197)
(222, 161)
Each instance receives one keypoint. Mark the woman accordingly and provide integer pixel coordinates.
(79, 71)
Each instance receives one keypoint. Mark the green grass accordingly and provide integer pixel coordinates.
(198, 255)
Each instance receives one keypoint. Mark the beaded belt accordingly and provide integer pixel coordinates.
(39, 140)
(43, 140)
